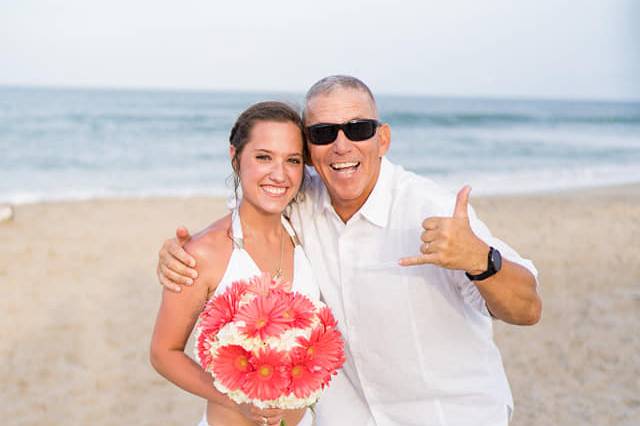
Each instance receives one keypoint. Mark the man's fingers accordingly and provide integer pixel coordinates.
(429, 236)
(182, 235)
(462, 202)
(418, 260)
(175, 277)
(427, 248)
(179, 267)
(411, 261)
(431, 223)
(168, 284)
(178, 252)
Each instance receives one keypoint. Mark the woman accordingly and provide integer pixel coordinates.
(267, 155)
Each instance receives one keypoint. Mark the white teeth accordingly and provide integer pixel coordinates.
(274, 190)
(340, 166)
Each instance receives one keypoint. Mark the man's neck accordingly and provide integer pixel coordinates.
(347, 209)
(346, 212)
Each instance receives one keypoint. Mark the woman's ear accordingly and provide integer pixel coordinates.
(232, 154)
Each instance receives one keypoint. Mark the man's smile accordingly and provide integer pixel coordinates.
(345, 166)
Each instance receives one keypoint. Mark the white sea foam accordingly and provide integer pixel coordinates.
(544, 180)
(522, 182)
(27, 197)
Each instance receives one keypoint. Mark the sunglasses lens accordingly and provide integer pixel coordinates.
(355, 130)
(323, 134)
(360, 130)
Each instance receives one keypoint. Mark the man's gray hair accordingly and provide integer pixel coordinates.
(328, 84)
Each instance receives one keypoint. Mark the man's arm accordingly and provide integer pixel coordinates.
(176, 268)
(511, 294)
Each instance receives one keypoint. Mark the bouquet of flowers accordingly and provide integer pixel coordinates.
(266, 345)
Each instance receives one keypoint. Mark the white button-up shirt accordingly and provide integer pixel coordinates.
(420, 347)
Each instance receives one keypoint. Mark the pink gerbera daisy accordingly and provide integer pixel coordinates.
(326, 318)
(265, 316)
(304, 379)
(231, 366)
(204, 353)
(222, 308)
(324, 349)
(268, 378)
(263, 284)
(300, 310)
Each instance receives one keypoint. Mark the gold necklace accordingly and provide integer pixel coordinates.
(278, 273)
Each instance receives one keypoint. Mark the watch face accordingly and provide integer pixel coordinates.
(496, 259)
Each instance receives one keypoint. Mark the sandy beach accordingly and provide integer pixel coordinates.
(79, 297)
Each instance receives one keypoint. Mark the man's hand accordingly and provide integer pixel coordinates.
(450, 242)
(175, 266)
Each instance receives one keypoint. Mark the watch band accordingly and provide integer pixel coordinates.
(494, 264)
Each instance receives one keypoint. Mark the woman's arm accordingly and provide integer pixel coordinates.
(175, 321)
(177, 316)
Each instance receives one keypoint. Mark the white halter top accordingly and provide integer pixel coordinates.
(242, 266)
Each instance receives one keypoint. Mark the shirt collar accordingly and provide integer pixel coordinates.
(376, 208)
(325, 199)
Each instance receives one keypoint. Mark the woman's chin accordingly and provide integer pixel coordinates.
(271, 206)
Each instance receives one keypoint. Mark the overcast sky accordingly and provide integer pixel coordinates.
(557, 49)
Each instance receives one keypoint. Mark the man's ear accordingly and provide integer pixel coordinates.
(384, 139)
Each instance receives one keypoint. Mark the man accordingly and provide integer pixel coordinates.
(419, 330)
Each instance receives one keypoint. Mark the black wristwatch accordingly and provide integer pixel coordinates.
(493, 266)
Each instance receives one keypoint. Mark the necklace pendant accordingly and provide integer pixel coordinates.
(278, 274)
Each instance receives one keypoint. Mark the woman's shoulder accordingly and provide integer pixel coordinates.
(210, 238)
(211, 247)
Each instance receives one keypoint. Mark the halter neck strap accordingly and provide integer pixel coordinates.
(238, 238)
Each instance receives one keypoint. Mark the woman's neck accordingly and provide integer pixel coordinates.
(258, 223)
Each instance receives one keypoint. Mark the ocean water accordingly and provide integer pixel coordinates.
(58, 144)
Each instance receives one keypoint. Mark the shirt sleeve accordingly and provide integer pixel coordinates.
(468, 289)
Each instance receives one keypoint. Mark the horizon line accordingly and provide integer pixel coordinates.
(129, 88)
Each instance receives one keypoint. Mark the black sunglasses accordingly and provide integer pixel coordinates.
(355, 130)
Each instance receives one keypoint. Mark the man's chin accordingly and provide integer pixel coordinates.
(346, 198)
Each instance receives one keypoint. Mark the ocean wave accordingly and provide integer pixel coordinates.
(503, 119)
